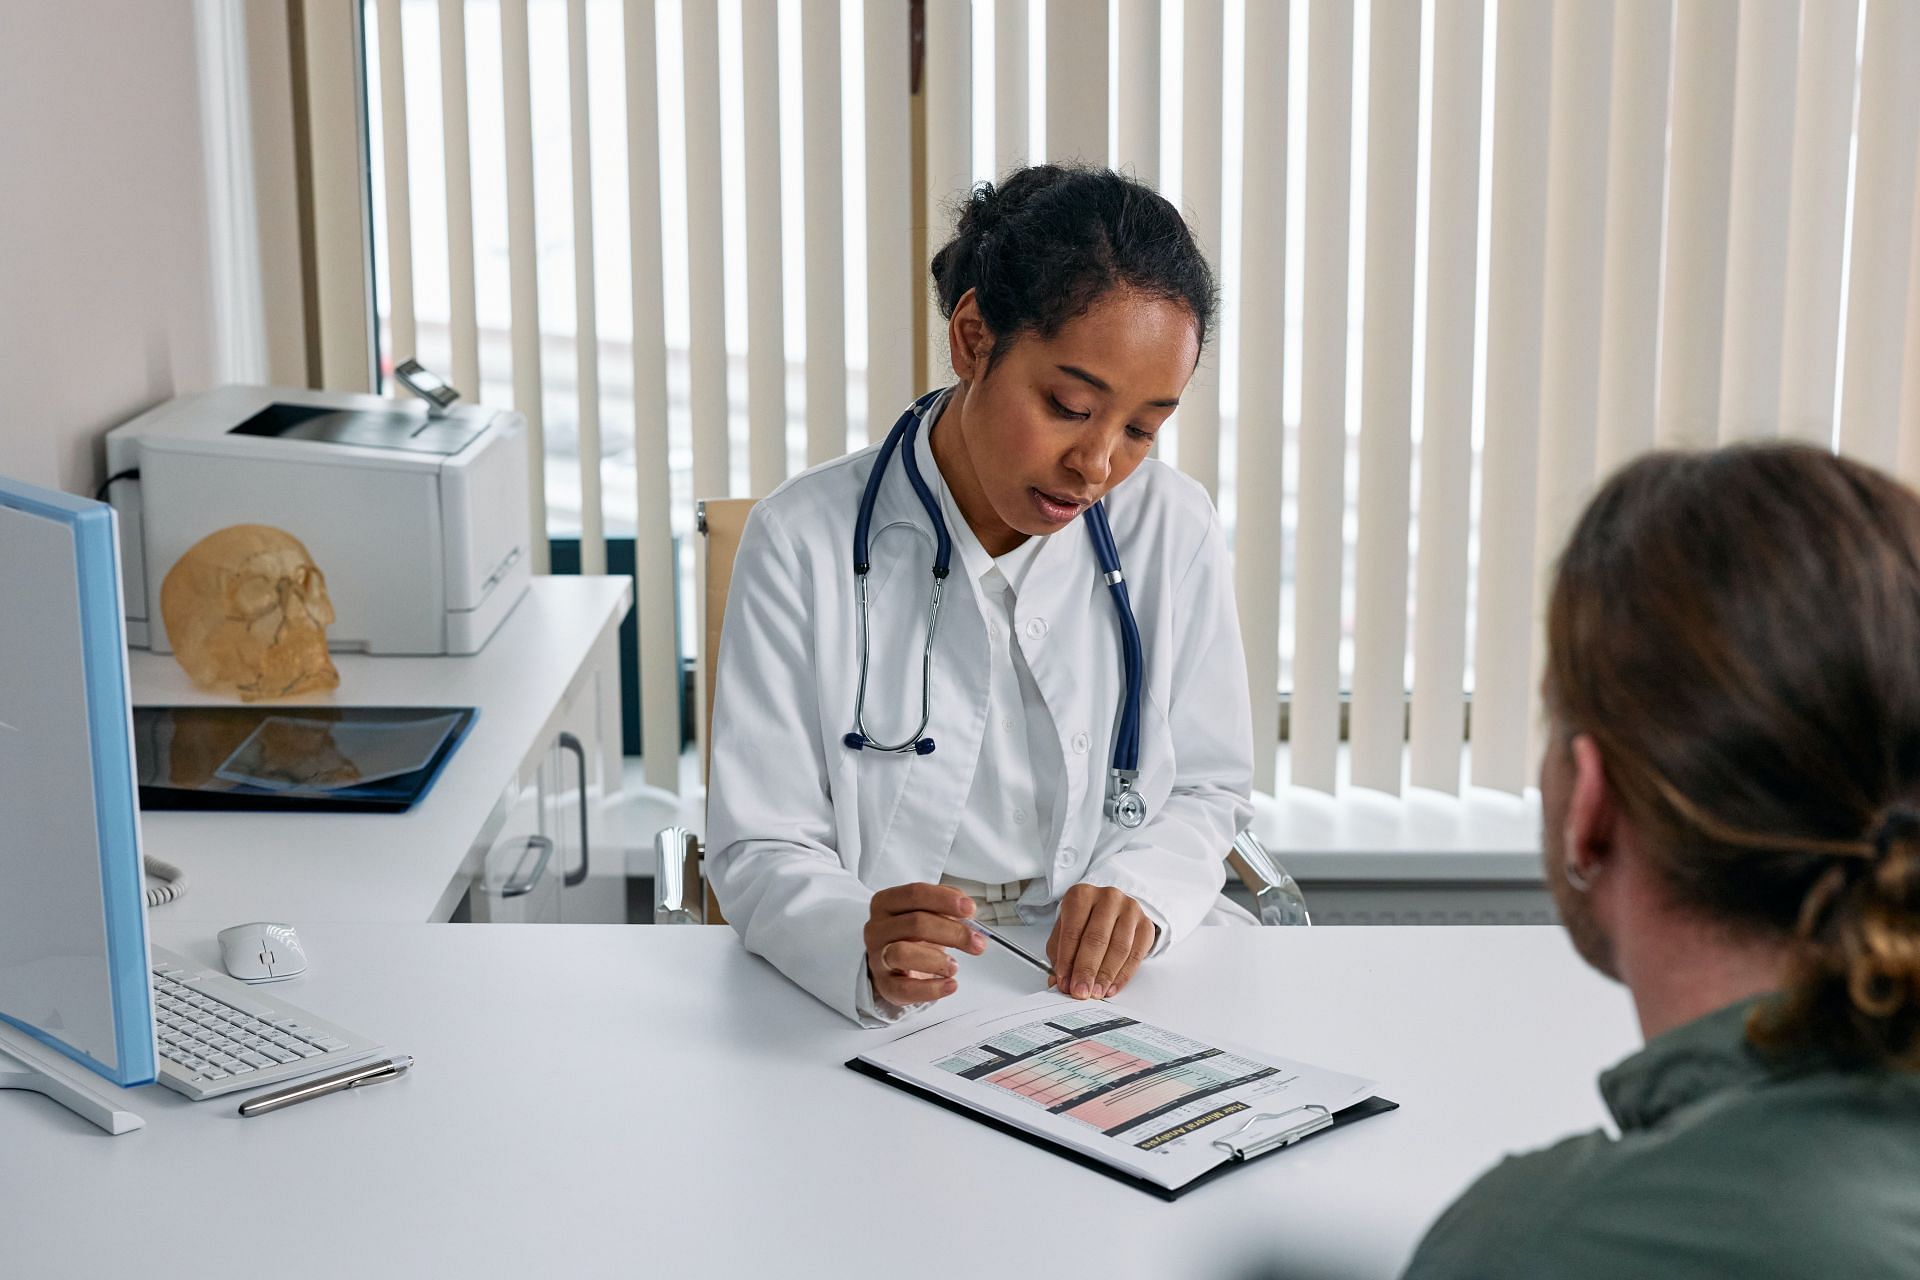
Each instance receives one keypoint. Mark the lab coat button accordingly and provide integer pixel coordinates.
(1019, 817)
(1036, 628)
(1080, 744)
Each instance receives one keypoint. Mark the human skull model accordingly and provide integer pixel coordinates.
(247, 612)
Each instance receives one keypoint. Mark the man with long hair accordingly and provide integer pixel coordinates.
(1731, 800)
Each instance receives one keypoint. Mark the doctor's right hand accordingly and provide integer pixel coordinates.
(909, 928)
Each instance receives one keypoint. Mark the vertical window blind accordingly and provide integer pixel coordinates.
(1474, 255)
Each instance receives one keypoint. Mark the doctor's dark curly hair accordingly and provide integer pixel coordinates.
(1051, 240)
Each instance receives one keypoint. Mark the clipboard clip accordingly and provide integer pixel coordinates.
(1247, 1148)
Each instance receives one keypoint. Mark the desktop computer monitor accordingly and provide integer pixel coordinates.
(75, 986)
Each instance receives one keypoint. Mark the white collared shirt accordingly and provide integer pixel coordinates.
(1007, 830)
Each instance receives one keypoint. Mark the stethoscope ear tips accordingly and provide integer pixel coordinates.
(855, 741)
(924, 747)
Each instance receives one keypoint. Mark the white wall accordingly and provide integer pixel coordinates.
(105, 296)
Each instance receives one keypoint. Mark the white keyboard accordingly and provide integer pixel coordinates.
(218, 1035)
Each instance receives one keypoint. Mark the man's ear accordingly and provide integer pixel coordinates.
(969, 341)
(1593, 809)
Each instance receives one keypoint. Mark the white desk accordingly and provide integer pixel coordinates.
(653, 1101)
(411, 867)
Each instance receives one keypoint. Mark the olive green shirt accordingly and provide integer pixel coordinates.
(1727, 1165)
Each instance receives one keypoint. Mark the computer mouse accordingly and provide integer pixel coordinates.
(262, 952)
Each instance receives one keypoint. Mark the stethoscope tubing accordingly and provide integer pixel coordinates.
(917, 742)
(904, 429)
(903, 433)
(1126, 747)
(1123, 804)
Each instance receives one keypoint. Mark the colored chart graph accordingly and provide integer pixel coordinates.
(1110, 1073)
(1068, 1071)
(1122, 1107)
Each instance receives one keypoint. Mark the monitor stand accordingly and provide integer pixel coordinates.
(27, 1064)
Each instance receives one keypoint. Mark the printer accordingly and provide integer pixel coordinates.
(416, 513)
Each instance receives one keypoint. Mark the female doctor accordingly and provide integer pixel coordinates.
(923, 708)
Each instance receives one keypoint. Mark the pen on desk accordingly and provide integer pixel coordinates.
(1014, 947)
(350, 1078)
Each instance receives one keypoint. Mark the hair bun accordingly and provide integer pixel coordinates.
(983, 211)
(1041, 246)
(988, 204)
(1854, 978)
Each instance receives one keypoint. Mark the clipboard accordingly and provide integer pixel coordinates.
(1260, 1136)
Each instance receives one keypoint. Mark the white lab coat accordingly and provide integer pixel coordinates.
(802, 830)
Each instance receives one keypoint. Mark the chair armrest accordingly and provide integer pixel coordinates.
(1275, 893)
(678, 896)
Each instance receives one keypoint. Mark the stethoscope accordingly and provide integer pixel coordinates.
(1124, 805)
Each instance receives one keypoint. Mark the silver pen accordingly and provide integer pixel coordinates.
(1014, 947)
(350, 1078)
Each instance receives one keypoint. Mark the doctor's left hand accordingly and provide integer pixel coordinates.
(1099, 939)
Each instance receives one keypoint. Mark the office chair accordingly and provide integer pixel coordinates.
(681, 894)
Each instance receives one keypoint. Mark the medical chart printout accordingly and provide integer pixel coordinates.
(1103, 1080)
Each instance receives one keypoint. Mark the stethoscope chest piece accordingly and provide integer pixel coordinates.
(1124, 806)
